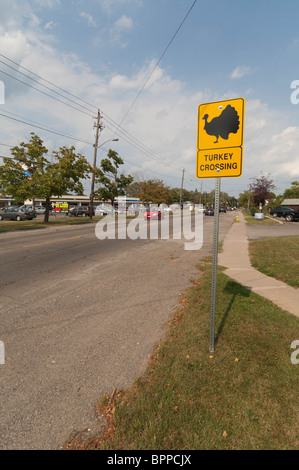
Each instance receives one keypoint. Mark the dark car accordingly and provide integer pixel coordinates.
(16, 213)
(80, 211)
(279, 211)
(291, 215)
(209, 212)
(222, 209)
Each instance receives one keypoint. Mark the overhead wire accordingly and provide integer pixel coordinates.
(21, 120)
(128, 138)
(157, 63)
(117, 127)
(43, 92)
(47, 81)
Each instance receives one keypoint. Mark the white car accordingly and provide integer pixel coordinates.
(102, 210)
(40, 209)
(37, 209)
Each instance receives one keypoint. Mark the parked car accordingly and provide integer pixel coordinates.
(37, 209)
(40, 209)
(279, 211)
(103, 210)
(16, 213)
(80, 211)
(153, 213)
(209, 212)
(292, 215)
(122, 210)
(222, 209)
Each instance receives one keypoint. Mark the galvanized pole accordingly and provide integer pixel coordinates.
(94, 166)
(214, 265)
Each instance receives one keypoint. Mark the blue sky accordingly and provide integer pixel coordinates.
(103, 51)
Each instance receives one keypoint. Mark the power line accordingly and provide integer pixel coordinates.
(45, 80)
(128, 137)
(44, 93)
(141, 167)
(44, 128)
(141, 146)
(159, 60)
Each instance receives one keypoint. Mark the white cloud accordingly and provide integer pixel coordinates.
(124, 23)
(113, 5)
(164, 117)
(90, 20)
(50, 25)
(240, 71)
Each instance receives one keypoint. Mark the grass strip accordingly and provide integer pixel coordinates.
(277, 257)
(12, 226)
(265, 221)
(244, 397)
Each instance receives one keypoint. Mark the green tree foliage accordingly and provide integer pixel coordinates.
(156, 192)
(293, 191)
(112, 184)
(46, 179)
(244, 198)
(28, 156)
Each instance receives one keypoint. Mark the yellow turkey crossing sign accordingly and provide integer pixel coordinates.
(220, 134)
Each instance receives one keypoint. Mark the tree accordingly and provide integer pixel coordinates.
(112, 184)
(262, 188)
(156, 192)
(244, 199)
(134, 189)
(43, 178)
(64, 175)
(18, 174)
(293, 191)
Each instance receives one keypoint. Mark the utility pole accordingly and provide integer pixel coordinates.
(200, 193)
(94, 165)
(182, 185)
(248, 204)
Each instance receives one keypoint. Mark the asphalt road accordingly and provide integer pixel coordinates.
(280, 229)
(79, 317)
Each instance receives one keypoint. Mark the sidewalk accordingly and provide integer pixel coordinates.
(235, 257)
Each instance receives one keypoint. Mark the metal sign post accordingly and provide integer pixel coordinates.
(214, 265)
(219, 154)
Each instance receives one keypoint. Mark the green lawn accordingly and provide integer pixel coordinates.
(12, 226)
(277, 257)
(266, 221)
(243, 397)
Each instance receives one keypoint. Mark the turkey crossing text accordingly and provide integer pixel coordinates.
(220, 139)
(216, 157)
(219, 165)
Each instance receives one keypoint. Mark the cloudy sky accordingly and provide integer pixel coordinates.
(148, 65)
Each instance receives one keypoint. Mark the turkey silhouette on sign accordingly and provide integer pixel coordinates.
(220, 133)
(220, 124)
(228, 122)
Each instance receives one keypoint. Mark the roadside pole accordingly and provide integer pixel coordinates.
(214, 265)
(223, 157)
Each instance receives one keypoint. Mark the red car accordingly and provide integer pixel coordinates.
(153, 213)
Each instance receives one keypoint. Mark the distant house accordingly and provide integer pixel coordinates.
(291, 203)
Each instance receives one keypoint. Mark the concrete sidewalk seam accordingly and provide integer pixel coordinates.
(235, 255)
